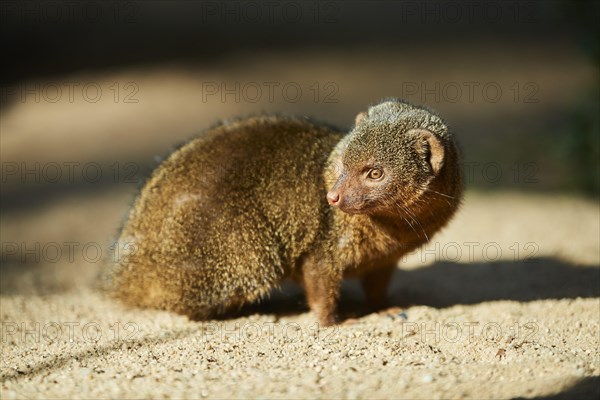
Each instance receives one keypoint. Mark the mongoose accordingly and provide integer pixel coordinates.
(248, 203)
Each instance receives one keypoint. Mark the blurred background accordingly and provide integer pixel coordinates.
(94, 93)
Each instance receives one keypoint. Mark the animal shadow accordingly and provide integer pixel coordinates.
(445, 284)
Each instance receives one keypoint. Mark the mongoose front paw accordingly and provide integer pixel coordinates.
(328, 320)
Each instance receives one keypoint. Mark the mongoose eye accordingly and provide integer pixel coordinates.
(375, 174)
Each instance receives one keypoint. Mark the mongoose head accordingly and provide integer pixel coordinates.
(389, 163)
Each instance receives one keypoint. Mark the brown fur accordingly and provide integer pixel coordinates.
(229, 215)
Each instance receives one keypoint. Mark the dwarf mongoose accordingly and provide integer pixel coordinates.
(230, 214)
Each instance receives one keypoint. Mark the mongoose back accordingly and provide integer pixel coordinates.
(225, 218)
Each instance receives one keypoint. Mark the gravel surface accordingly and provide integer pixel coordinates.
(482, 325)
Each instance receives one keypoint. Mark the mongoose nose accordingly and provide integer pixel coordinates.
(333, 198)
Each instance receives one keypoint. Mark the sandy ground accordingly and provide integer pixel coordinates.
(468, 322)
(504, 303)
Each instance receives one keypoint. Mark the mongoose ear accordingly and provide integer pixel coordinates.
(359, 118)
(432, 147)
